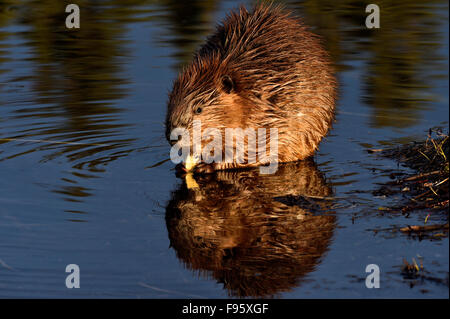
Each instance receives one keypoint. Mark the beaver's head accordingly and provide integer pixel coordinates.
(209, 93)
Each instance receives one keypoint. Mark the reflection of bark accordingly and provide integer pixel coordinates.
(189, 22)
(76, 79)
(253, 233)
(68, 89)
(7, 13)
(401, 57)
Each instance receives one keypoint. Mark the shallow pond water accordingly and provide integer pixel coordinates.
(85, 177)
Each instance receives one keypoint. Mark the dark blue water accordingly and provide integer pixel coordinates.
(84, 176)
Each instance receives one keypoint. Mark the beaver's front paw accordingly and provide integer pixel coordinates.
(203, 168)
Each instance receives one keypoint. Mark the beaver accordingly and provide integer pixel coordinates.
(260, 69)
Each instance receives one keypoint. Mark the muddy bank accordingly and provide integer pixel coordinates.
(427, 188)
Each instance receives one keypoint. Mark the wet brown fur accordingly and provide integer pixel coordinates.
(260, 69)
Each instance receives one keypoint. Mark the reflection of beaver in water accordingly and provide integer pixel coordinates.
(258, 235)
(261, 69)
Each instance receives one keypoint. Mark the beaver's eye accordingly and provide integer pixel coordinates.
(198, 110)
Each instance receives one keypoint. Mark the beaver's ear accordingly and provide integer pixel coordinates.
(227, 84)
